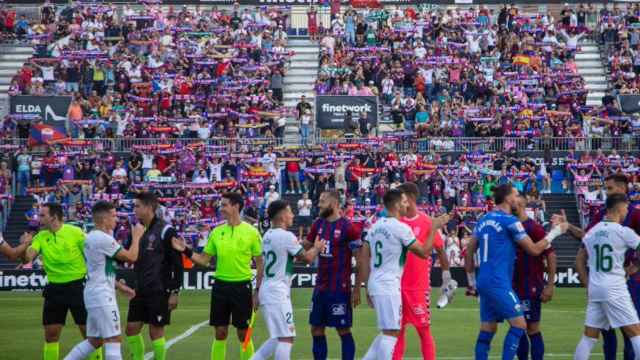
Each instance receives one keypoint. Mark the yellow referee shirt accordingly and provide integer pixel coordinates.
(62, 253)
(234, 247)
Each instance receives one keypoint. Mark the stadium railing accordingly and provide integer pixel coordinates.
(401, 142)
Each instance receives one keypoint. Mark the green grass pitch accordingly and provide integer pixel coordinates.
(454, 328)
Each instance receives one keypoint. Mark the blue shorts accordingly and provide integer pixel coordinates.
(331, 309)
(634, 291)
(498, 304)
(532, 309)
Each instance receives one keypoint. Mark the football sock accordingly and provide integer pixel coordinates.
(247, 354)
(80, 351)
(159, 350)
(401, 345)
(96, 355)
(112, 351)
(511, 342)
(385, 346)
(218, 349)
(537, 346)
(635, 342)
(372, 353)
(283, 351)
(523, 348)
(51, 351)
(136, 346)
(483, 345)
(427, 345)
(266, 350)
(348, 347)
(583, 350)
(609, 344)
(320, 348)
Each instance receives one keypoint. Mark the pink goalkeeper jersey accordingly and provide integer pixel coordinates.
(417, 271)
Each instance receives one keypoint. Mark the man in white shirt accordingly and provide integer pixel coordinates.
(388, 239)
(103, 315)
(609, 302)
(304, 213)
(271, 195)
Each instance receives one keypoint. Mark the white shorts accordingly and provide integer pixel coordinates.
(103, 322)
(279, 319)
(388, 311)
(613, 313)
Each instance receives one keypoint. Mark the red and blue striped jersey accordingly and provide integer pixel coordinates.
(334, 263)
(528, 277)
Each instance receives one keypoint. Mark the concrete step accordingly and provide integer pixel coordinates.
(294, 43)
(596, 86)
(310, 79)
(4, 88)
(595, 94)
(305, 57)
(591, 71)
(587, 56)
(9, 72)
(11, 64)
(310, 95)
(301, 72)
(595, 79)
(305, 49)
(5, 49)
(304, 64)
(584, 64)
(589, 49)
(298, 87)
(594, 102)
(4, 80)
(9, 56)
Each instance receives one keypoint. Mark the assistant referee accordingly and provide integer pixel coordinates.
(61, 247)
(233, 244)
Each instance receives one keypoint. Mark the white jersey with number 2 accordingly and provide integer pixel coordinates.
(606, 245)
(389, 240)
(99, 250)
(279, 247)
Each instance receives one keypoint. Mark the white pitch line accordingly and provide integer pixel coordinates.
(180, 337)
(551, 355)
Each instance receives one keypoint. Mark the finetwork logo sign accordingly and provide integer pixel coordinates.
(32, 281)
(344, 108)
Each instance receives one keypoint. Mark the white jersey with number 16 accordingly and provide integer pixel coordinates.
(279, 247)
(606, 245)
(389, 240)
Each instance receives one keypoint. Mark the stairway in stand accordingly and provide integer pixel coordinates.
(590, 66)
(566, 246)
(11, 59)
(17, 225)
(299, 80)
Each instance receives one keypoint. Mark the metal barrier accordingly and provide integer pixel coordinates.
(395, 142)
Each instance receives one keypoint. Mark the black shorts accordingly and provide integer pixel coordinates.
(231, 302)
(62, 298)
(150, 309)
(305, 221)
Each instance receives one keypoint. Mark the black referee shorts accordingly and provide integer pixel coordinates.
(62, 298)
(150, 309)
(231, 302)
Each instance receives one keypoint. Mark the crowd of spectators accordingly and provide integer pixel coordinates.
(145, 72)
(619, 30)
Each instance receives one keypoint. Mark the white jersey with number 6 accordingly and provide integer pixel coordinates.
(606, 245)
(279, 247)
(389, 240)
(99, 250)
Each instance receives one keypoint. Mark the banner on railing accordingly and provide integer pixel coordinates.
(51, 109)
(629, 103)
(303, 277)
(331, 110)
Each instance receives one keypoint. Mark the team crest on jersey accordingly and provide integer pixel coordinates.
(419, 310)
(338, 309)
(417, 230)
(518, 307)
(152, 239)
(337, 233)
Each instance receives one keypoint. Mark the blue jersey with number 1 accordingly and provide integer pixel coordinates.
(497, 234)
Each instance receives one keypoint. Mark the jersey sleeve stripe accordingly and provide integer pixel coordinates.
(300, 251)
(116, 252)
(410, 243)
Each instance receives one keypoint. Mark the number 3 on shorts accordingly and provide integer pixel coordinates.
(115, 316)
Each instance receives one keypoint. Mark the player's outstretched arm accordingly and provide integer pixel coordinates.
(310, 255)
(15, 253)
(538, 248)
(131, 255)
(424, 250)
(581, 266)
(558, 219)
(201, 259)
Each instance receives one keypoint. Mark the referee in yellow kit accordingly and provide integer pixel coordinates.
(234, 245)
(61, 247)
